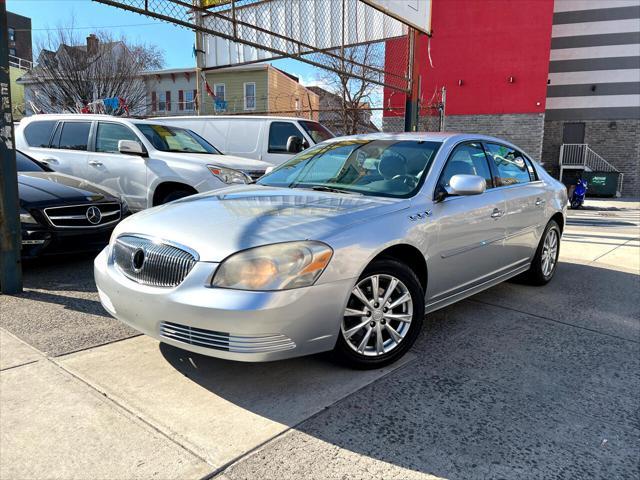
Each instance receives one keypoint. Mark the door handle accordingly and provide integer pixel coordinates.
(497, 213)
(95, 163)
(540, 202)
(48, 161)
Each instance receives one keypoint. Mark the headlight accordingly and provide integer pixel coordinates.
(280, 266)
(25, 217)
(229, 175)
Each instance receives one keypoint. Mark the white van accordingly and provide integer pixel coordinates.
(259, 137)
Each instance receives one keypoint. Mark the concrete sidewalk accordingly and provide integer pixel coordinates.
(516, 382)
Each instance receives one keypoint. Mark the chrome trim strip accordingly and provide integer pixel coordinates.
(457, 251)
(159, 240)
(50, 218)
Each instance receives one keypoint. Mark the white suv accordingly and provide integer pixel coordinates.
(146, 162)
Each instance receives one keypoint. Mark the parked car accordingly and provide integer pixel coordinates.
(147, 162)
(60, 213)
(260, 137)
(345, 247)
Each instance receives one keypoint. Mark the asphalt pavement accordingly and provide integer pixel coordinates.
(516, 382)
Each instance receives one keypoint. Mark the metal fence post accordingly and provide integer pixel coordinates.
(10, 241)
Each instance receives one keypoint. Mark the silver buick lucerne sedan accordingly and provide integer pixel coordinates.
(345, 247)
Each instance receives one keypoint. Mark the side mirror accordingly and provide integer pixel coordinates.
(467, 185)
(130, 147)
(294, 144)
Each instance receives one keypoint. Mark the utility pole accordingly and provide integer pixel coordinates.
(10, 235)
(411, 105)
(443, 107)
(198, 51)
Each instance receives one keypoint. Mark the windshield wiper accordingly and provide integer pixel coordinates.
(324, 188)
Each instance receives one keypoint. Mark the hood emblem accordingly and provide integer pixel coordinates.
(137, 259)
(94, 215)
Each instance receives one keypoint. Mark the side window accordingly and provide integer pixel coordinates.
(109, 134)
(38, 134)
(279, 133)
(466, 159)
(510, 166)
(75, 135)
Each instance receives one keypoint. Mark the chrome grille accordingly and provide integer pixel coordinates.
(162, 265)
(224, 341)
(77, 216)
(254, 174)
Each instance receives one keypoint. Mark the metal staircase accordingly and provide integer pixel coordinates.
(579, 156)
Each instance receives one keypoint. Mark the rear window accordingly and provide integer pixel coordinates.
(38, 134)
(75, 135)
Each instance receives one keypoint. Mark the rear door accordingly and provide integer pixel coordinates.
(69, 147)
(118, 172)
(525, 200)
(468, 250)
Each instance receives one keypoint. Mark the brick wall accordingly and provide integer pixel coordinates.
(524, 130)
(617, 141)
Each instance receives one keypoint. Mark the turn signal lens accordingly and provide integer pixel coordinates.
(280, 266)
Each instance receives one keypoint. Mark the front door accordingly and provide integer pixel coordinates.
(468, 249)
(123, 174)
(278, 134)
(573, 133)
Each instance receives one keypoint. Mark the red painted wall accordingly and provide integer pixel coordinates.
(482, 43)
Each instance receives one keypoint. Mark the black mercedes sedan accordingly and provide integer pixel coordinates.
(63, 214)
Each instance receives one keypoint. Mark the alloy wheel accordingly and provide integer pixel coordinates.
(378, 315)
(549, 252)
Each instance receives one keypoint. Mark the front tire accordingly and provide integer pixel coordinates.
(383, 317)
(545, 261)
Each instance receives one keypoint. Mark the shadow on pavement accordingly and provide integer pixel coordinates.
(516, 382)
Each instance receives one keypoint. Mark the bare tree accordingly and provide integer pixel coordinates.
(351, 82)
(71, 73)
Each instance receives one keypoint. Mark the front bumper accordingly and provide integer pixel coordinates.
(224, 323)
(38, 240)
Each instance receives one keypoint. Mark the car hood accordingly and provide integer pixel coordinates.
(51, 188)
(217, 224)
(237, 163)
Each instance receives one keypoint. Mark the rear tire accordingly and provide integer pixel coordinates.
(174, 195)
(545, 261)
(391, 316)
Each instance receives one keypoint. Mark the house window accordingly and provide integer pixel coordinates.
(250, 96)
(162, 101)
(219, 90)
(12, 35)
(12, 52)
(188, 100)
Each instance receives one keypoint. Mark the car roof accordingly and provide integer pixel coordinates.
(85, 116)
(226, 117)
(442, 137)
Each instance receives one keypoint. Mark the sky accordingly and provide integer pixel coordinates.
(88, 16)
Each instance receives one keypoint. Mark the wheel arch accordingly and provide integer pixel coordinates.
(164, 188)
(410, 256)
(559, 219)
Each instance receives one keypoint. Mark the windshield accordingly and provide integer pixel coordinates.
(26, 164)
(174, 139)
(388, 168)
(316, 131)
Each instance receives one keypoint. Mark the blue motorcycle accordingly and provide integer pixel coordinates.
(579, 192)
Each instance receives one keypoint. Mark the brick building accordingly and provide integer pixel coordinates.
(540, 73)
(19, 30)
